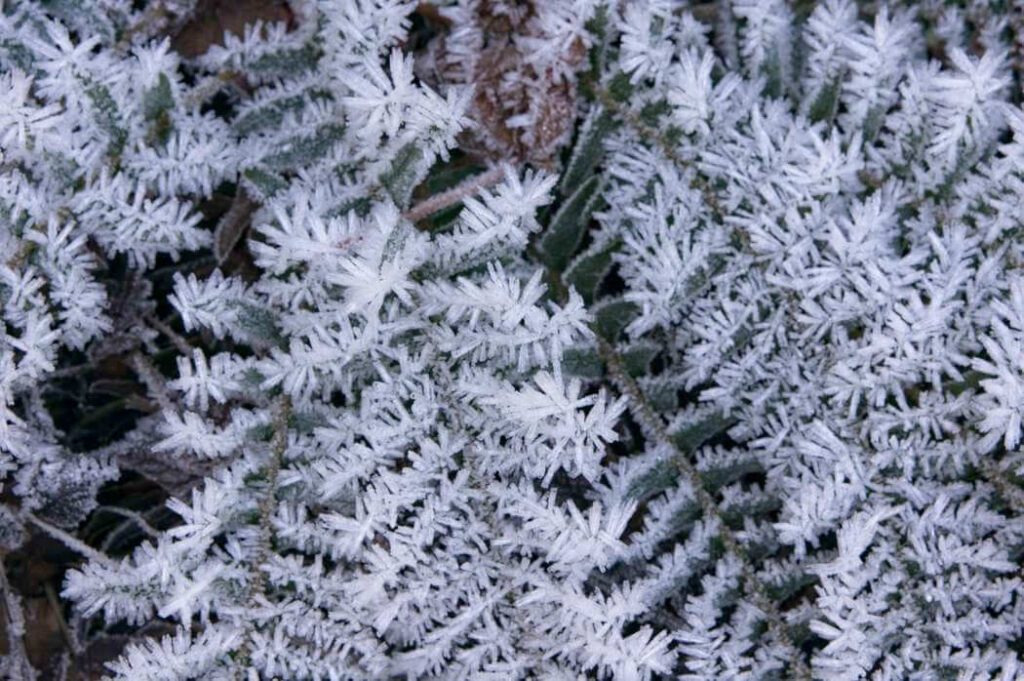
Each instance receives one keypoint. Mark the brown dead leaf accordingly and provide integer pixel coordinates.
(507, 84)
(212, 18)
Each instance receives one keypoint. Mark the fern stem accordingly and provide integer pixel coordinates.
(14, 625)
(454, 195)
(73, 543)
(267, 510)
(133, 517)
(654, 429)
(153, 380)
(179, 342)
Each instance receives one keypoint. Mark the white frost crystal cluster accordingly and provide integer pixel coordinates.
(731, 387)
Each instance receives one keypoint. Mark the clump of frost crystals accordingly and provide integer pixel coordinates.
(731, 390)
(399, 495)
(807, 262)
(390, 433)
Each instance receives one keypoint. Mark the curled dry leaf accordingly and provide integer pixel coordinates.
(524, 103)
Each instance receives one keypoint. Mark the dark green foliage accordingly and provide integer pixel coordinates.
(662, 393)
(598, 55)
(792, 584)
(772, 70)
(637, 357)
(653, 111)
(589, 268)
(612, 316)
(287, 62)
(157, 102)
(588, 152)
(269, 117)
(873, 123)
(263, 182)
(583, 362)
(18, 55)
(305, 422)
(445, 176)
(718, 477)
(763, 507)
(86, 18)
(303, 150)
(825, 104)
(673, 135)
(691, 436)
(158, 98)
(361, 205)
(565, 232)
(260, 433)
(260, 324)
(253, 379)
(659, 477)
(681, 521)
(620, 88)
(403, 175)
(396, 240)
(108, 118)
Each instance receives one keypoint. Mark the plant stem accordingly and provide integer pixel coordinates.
(454, 195)
(72, 542)
(654, 429)
(14, 625)
(267, 509)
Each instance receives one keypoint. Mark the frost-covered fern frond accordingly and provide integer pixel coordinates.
(486, 340)
(802, 245)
